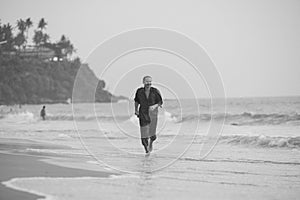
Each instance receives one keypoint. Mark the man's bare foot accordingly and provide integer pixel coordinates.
(147, 153)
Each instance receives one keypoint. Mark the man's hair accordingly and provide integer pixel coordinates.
(146, 77)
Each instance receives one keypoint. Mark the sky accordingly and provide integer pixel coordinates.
(254, 44)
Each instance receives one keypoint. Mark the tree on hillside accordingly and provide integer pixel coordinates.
(45, 38)
(20, 39)
(21, 24)
(28, 24)
(62, 49)
(40, 38)
(42, 24)
(7, 35)
(65, 47)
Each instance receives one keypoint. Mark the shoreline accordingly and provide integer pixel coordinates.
(20, 166)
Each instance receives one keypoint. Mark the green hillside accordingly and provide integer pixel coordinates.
(35, 81)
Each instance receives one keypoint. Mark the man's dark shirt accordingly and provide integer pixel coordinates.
(141, 98)
(43, 112)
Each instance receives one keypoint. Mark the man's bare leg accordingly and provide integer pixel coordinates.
(152, 138)
(145, 144)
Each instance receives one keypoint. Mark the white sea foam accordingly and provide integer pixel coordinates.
(34, 185)
(113, 176)
(41, 150)
(12, 183)
(169, 117)
(62, 135)
(262, 141)
(93, 162)
(134, 119)
(21, 117)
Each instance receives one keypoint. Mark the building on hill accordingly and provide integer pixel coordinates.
(33, 51)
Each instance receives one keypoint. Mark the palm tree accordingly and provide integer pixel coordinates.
(38, 37)
(1, 33)
(21, 25)
(45, 38)
(7, 36)
(63, 38)
(42, 24)
(28, 24)
(20, 39)
(70, 49)
(65, 47)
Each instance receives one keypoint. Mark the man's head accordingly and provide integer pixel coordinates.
(147, 80)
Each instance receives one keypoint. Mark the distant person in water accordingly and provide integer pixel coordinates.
(43, 113)
(147, 100)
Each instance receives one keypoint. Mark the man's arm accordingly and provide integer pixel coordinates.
(136, 103)
(158, 100)
(136, 106)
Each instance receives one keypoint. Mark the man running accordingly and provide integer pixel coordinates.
(147, 100)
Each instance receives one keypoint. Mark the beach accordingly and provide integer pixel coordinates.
(149, 100)
(14, 165)
(79, 157)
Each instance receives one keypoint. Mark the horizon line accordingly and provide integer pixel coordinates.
(233, 97)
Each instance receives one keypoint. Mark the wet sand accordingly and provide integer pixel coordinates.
(13, 166)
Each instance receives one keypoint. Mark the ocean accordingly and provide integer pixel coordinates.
(256, 156)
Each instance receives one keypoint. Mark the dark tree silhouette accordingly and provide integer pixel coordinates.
(20, 39)
(6, 36)
(42, 24)
(28, 24)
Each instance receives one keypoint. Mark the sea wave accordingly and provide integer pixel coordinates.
(261, 141)
(244, 118)
(256, 141)
(248, 161)
(240, 119)
(31, 117)
(19, 117)
(69, 117)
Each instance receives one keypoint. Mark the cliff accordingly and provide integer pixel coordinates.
(35, 81)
